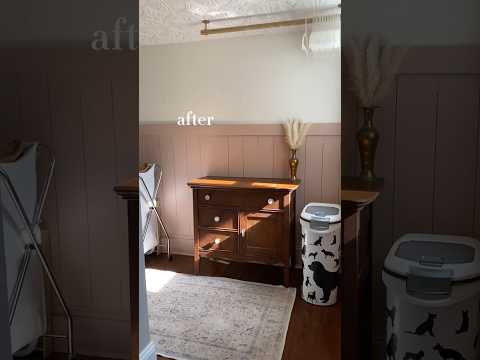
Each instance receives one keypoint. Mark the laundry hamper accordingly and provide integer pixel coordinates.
(433, 298)
(320, 252)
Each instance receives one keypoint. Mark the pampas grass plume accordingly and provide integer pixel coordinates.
(295, 130)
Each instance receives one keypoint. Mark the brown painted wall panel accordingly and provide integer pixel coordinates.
(456, 156)
(415, 154)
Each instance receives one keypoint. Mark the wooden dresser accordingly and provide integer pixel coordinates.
(358, 199)
(245, 219)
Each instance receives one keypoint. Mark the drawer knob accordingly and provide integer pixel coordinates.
(270, 201)
(207, 197)
(217, 241)
(216, 219)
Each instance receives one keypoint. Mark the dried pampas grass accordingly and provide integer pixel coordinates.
(373, 65)
(296, 131)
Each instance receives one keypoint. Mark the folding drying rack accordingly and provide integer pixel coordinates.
(34, 246)
(152, 209)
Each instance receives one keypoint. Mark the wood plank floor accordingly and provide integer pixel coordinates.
(39, 356)
(314, 331)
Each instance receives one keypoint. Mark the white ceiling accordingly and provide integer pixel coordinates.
(176, 21)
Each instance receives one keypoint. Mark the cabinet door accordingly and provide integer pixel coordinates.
(261, 236)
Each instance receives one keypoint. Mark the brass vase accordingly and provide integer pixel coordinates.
(367, 139)
(293, 161)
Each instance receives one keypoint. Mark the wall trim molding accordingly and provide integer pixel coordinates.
(166, 128)
(149, 352)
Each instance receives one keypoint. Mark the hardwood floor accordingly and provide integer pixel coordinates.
(314, 331)
(39, 356)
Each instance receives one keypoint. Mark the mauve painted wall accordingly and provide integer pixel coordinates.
(185, 153)
(79, 103)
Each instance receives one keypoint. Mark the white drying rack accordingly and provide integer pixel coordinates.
(33, 246)
(152, 209)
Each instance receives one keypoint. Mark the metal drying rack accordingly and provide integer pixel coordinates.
(33, 246)
(152, 209)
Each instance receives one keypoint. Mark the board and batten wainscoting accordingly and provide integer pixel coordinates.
(77, 102)
(188, 152)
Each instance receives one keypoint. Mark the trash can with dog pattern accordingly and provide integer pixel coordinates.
(433, 298)
(321, 232)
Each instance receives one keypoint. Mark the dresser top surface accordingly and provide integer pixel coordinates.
(218, 182)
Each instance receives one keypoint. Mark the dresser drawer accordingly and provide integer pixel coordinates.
(220, 197)
(216, 242)
(264, 200)
(217, 217)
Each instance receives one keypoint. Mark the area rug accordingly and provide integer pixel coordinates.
(212, 318)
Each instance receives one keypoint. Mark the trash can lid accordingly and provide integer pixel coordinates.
(330, 213)
(459, 256)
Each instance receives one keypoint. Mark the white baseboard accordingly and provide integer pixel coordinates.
(181, 245)
(149, 353)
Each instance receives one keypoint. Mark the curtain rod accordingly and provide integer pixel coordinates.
(276, 24)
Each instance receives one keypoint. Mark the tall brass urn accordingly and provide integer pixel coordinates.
(367, 139)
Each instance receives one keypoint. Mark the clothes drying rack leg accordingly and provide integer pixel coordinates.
(153, 208)
(33, 246)
(17, 288)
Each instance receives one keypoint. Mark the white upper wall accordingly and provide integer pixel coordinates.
(254, 79)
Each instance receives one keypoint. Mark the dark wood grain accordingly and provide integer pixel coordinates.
(357, 265)
(58, 356)
(313, 332)
(259, 211)
(129, 192)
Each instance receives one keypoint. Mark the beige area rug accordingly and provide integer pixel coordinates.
(211, 318)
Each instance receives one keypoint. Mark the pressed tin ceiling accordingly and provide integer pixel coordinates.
(177, 21)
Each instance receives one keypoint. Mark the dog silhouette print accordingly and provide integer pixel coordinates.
(391, 314)
(324, 279)
(414, 356)
(318, 242)
(425, 327)
(448, 354)
(391, 349)
(465, 323)
(328, 253)
(334, 240)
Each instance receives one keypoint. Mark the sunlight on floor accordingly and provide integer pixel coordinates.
(157, 279)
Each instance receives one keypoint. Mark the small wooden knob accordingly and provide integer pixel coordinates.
(216, 219)
(207, 197)
(270, 201)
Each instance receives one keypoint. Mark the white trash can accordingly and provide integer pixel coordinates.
(433, 298)
(321, 232)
